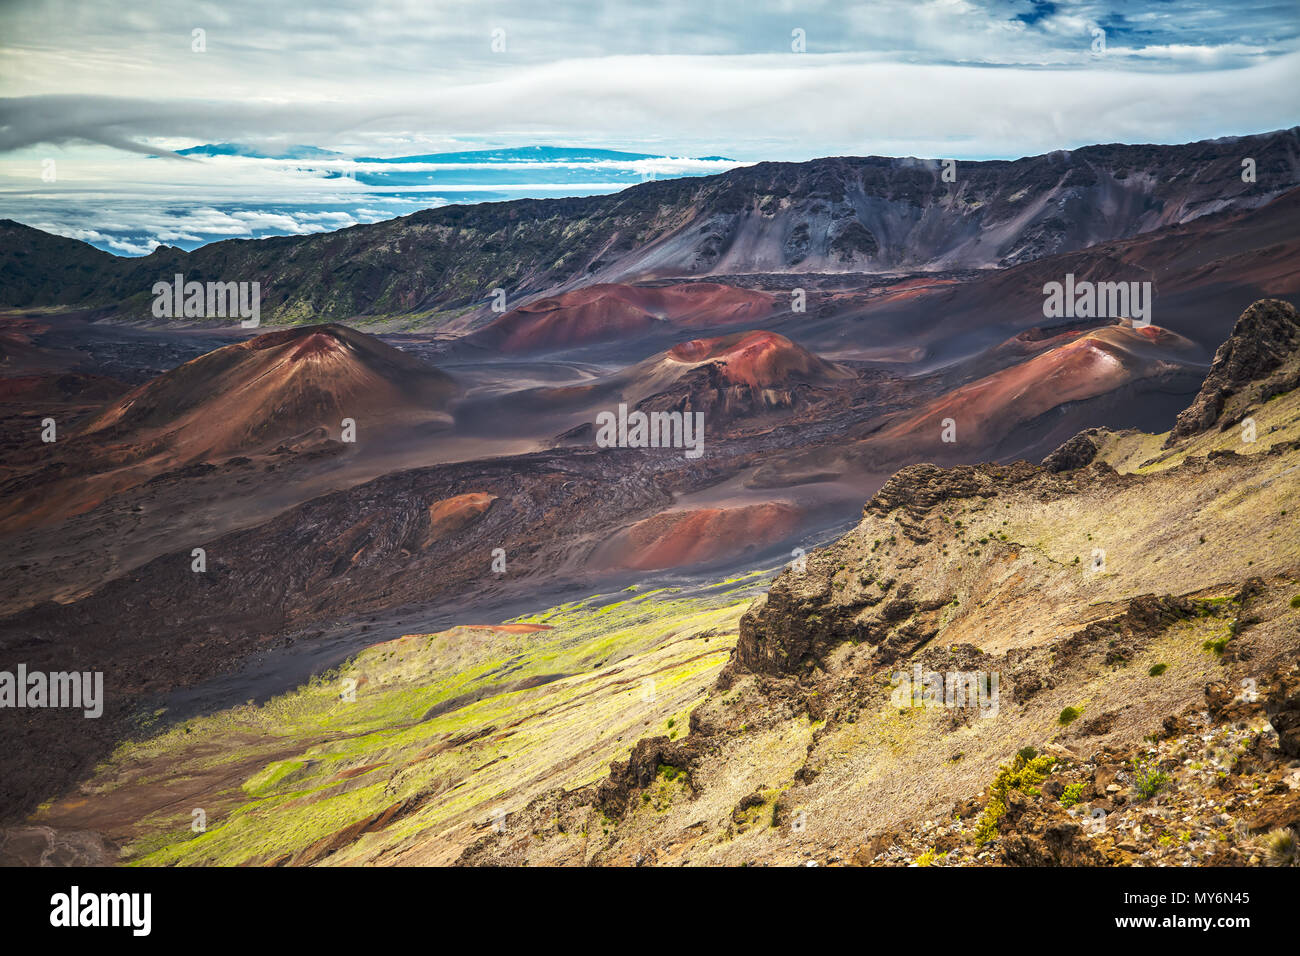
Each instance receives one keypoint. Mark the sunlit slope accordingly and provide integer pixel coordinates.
(445, 731)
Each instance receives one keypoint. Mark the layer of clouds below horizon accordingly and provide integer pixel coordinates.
(129, 204)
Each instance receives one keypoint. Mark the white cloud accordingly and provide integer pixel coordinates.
(769, 106)
(99, 87)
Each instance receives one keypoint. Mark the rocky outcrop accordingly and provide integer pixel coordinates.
(1283, 708)
(641, 768)
(918, 488)
(1075, 453)
(855, 591)
(1263, 340)
(1039, 834)
(788, 632)
(1145, 617)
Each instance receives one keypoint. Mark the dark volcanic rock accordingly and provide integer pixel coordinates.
(788, 632)
(1261, 341)
(641, 768)
(1034, 835)
(1283, 709)
(918, 488)
(1074, 453)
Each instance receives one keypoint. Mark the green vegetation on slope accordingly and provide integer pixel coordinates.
(421, 741)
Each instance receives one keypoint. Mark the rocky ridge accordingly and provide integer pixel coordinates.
(839, 214)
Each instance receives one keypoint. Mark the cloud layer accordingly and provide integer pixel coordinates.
(99, 88)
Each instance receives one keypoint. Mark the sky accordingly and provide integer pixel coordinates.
(97, 97)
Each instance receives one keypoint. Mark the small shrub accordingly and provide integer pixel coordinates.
(1148, 780)
(1069, 715)
(1295, 601)
(1280, 848)
(1157, 670)
(1073, 793)
(1023, 774)
(926, 858)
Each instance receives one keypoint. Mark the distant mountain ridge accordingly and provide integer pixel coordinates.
(844, 214)
(238, 149)
(529, 154)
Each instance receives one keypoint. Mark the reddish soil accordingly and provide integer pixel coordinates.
(678, 539)
(601, 313)
(758, 359)
(1087, 364)
(277, 386)
(450, 515)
